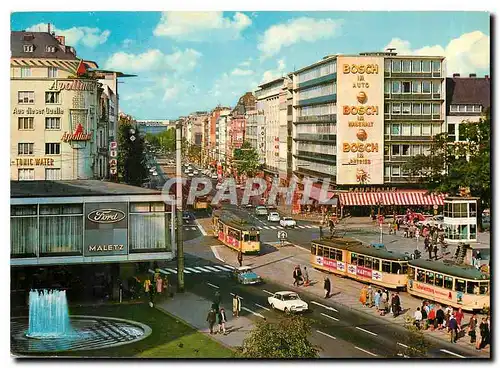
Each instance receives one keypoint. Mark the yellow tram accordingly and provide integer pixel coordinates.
(349, 257)
(459, 286)
(236, 230)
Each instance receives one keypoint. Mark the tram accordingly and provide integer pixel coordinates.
(236, 230)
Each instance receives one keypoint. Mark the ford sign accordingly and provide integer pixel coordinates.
(106, 216)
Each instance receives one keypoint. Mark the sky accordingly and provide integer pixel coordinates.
(187, 61)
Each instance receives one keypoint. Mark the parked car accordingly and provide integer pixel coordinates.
(190, 174)
(287, 301)
(246, 276)
(195, 172)
(433, 221)
(215, 176)
(261, 211)
(186, 216)
(287, 222)
(273, 217)
(186, 171)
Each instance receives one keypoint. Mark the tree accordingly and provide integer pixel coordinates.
(194, 153)
(453, 166)
(286, 339)
(162, 141)
(413, 343)
(131, 154)
(246, 159)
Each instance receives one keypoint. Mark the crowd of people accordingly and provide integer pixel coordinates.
(383, 301)
(217, 314)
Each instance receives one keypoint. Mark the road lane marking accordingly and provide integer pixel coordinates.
(362, 329)
(151, 271)
(238, 296)
(202, 230)
(216, 253)
(451, 353)
(212, 285)
(212, 269)
(325, 334)
(261, 306)
(164, 272)
(267, 292)
(203, 269)
(403, 345)
(221, 268)
(325, 306)
(365, 351)
(231, 267)
(326, 315)
(254, 313)
(192, 269)
(186, 271)
(226, 268)
(171, 270)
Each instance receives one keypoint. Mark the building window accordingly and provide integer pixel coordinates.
(451, 131)
(405, 150)
(436, 109)
(61, 228)
(26, 97)
(387, 65)
(426, 149)
(387, 171)
(26, 174)
(387, 129)
(396, 129)
(28, 48)
(416, 87)
(52, 148)
(52, 72)
(396, 171)
(406, 66)
(436, 129)
(415, 66)
(25, 72)
(436, 87)
(461, 108)
(23, 230)
(426, 129)
(396, 87)
(396, 66)
(416, 130)
(396, 108)
(406, 87)
(52, 174)
(386, 150)
(387, 108)
(395, 150)
(453, 108)
(469, 108)
(406, 129)
(25, 148)
(417, 150)
(25, 123)
(52, 123)
(406, 108)
(387, 86)
(436, 66)
(426, 66)
(426, 109)
(416, 109)
(52, 97)
(426, 87)
(477, 108)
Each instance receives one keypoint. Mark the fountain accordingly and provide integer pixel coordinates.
(48, 314)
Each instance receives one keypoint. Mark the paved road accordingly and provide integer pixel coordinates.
(340, 331)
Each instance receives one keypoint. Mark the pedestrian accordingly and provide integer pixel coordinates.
(306, 277)
(236, 305)
(377, 299)
(222, 321)
(418, 318)
(148, 289)
(431, 318)
(424, 310)
(452, 326)
(211, 317)
(384, 303)
(159, 285)
(440, 317)
(217, 300)
(435, 248)
(417, 234)
(396, 305)
(297, 274)
(426, 242)
(363, 295)
(472, 328)
(369, 297)
(240, 258)
(485, 334)
(429, 248)
(326, 287)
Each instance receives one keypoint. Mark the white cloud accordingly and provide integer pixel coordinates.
(87, 36)
(465, 54)
(297, 30)
(271, 74)
(239, 72)
(201, 26)
(154, 60)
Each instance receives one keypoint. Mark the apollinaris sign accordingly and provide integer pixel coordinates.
(360, 120)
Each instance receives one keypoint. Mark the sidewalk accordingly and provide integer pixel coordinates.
(278, 265)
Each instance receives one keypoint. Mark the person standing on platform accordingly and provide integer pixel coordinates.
(240, 258)
(327, 287)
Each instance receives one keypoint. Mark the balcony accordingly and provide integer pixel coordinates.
(330, 118)
(318, 100)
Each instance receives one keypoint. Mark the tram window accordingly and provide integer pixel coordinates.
(459, 285)
(429, 277)
(404, 268)
(320, 251)
(361, 260)
(376, 264)
(411, 273)
(326, 252)
(221, 227)
(338, 256)
(254, 237)
(472, 287)
(313, 249)
(386, 266)
(484, 288)
(246, 237)
(354, 258)
(396, 268)
(448, 282)
(420, 276)
(438, 279)
(368, 262)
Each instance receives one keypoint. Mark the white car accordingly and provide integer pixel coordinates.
(287, 301)
(215, 176)
(273, 217)
(186, 171)
(195, 172)
(190, 174)
(288, 222)
(433, 221)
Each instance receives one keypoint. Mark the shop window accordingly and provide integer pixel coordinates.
(429, 277)
(354, 258)
(459, 285)
(420, 275)
(448, 282)
(386, 266)
(361, 260)
(438, 280)
(150, 231)
(395, 267)
(376, 264)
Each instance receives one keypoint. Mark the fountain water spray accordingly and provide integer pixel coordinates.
(49, 316)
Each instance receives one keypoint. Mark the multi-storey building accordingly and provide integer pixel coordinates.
(222, 124)
(54, 110)
(285, 130)
(255, 132)
(466, 100)
(237, 127)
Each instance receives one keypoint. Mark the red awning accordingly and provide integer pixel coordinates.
(408, 198)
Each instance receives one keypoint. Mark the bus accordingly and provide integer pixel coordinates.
(458, 286)
(350, 258)
(236, 230)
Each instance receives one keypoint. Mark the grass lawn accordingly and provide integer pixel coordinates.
(170, 338)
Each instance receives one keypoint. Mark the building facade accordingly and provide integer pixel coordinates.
(54, 110)
(255, 132)
(222, 124)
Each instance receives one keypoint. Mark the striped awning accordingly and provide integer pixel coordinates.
(406, 198)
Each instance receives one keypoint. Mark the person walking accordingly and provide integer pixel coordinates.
(452, 326)
(362, 295)
(431, 317)
(326, 287)
(159, 285)
(396, 305)
(297, 275)
(435, 249)
(377, 299)
(240, 258)
(472, 328)
(384, 303)
(369, 297)
(211, 318)
(148, 289)
(440, 317)
(236, 305)
(217, 300)
(306, 277)
(222, 321)
(417, 234)
(485, 334)
(429, 247)
(418, 318)
(459, 316)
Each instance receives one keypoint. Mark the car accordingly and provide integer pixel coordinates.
(196, 172)
(186, 216)
(287, 222)
(155, 173)
(245, 276)
(186, 171)
(215, 176)
(288, 302)
(261, 211)
(186, 164)
(190, 174)
(433, 221)
(273, 217)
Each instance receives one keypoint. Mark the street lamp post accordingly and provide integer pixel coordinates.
(180, 244)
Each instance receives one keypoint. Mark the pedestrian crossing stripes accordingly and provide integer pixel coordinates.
(190, 228)
(196, 269)
(270, 227)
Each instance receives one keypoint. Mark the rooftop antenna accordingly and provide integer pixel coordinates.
(391, 49)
